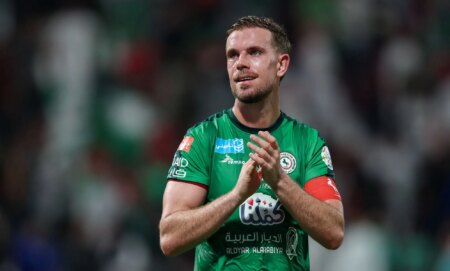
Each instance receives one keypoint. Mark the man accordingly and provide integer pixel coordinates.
(248, 185)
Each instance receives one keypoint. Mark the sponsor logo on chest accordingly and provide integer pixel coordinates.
(224, 146)
(230, 161)
(261, 209)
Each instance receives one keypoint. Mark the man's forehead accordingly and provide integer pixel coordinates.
(250, 36)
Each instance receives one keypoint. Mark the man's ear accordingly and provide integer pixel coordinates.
(283, 64)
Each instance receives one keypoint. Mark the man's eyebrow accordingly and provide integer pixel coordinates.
(255, 48)
(249, 49)
(231, 51)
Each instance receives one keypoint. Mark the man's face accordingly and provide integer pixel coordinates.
(252, 64)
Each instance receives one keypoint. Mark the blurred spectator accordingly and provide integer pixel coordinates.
(65, 68)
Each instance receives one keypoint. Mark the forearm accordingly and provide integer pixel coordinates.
(323, 222)
(184, 229)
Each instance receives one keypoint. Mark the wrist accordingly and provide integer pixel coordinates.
(280, 183)
(237, 196)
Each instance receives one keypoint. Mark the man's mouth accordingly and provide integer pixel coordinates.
(245, 78)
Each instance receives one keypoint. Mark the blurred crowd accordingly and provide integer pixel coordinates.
(95, 97)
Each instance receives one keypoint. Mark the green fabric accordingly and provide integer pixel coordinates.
(260, 234)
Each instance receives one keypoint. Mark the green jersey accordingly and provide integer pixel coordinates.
(260, 234)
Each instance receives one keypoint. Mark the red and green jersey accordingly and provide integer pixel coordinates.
(260, 234)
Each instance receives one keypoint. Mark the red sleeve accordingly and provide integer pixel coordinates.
(193, 183)
(322, 188)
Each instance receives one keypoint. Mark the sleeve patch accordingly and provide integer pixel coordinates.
(326, 157)
(322, 188)
(186, 144)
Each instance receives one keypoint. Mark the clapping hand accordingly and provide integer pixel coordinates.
(267, 156)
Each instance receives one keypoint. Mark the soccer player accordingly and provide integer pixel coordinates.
(249, 184)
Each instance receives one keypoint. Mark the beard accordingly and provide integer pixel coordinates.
(250, 96)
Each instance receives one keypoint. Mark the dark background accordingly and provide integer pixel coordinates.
(95, 97)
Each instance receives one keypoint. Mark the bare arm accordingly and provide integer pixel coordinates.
(322, 220)
(185, 222)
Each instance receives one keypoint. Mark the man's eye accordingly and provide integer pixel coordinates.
(255, 53)
(233, 56)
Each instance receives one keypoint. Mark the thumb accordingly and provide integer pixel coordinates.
(251, 164)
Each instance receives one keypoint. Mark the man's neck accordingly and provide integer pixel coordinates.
(258, 115)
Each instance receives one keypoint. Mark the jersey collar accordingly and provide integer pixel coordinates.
(251, 130)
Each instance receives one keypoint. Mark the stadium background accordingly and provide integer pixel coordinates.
(96, 96)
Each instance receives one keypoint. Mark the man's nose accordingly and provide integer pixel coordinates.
(242, 62)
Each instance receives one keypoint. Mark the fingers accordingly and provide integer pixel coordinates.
(267, 152)
(269, 138)
(249, 165)
(260, 151)
(261, 142)
(265, 140)
(248, 181)
(256, 158)
(248, 169)
(268, 145)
